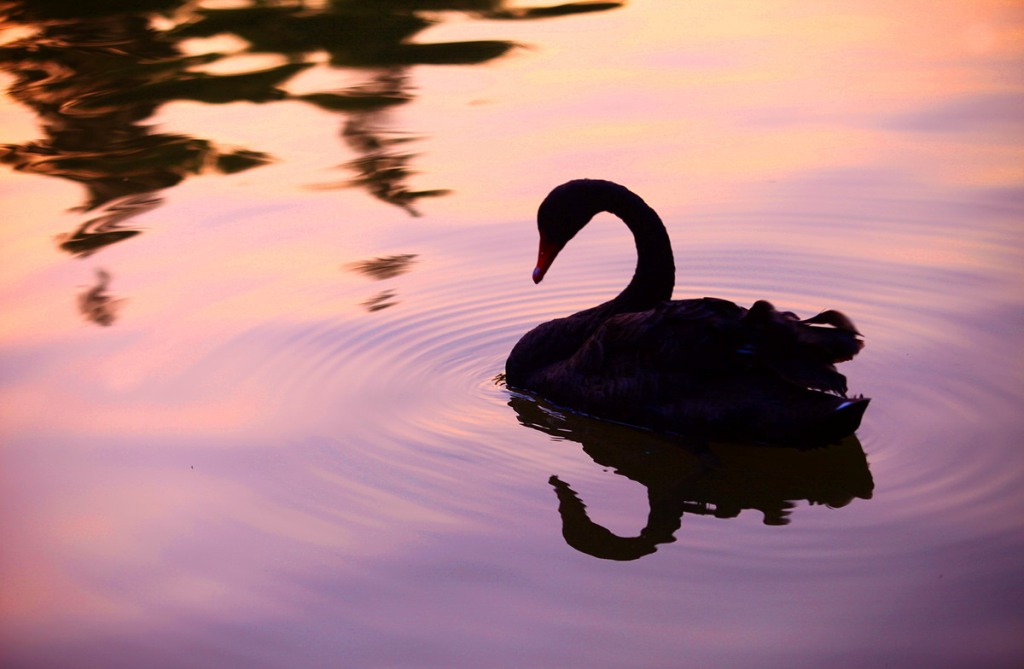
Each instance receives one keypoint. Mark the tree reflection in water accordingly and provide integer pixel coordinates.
(719, 480)
(93, 71)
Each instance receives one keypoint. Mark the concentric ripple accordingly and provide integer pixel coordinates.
(421, 376)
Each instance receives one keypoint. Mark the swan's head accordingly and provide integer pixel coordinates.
(563, 213)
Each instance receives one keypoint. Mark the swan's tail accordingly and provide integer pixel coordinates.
(843, 421)
(839, 342)
(803, 352)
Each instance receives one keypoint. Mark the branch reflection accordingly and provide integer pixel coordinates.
(720, 480)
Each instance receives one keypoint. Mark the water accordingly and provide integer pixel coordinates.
(249, 408)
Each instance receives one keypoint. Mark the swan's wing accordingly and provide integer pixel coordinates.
(803, 351)
(709, 337)
(679, 336)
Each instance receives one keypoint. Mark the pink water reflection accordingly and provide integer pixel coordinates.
(249, 468)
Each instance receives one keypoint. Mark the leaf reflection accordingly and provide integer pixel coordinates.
(719, 481)
(382, 300)
(384, 267)
(105, 229)
(96, 304)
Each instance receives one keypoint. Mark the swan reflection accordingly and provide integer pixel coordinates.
(721, 480)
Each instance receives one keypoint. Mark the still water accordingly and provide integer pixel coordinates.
(262, 263)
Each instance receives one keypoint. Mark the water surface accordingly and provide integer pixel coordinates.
(261, 267)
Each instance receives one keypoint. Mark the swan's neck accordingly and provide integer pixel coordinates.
(655, 274)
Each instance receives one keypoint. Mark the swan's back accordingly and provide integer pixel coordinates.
(703, 367)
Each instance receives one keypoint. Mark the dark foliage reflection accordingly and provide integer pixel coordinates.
(384, 267)
(93, 78)
(96, 304)
(720, 480)
(94, 71)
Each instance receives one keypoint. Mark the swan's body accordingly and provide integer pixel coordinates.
(705, 367)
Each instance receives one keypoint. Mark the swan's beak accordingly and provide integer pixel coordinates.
(545, 256)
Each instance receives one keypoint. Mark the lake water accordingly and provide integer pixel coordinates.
(261, 265)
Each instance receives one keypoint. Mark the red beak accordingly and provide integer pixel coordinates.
(545, 256)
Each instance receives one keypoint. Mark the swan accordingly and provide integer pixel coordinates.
(704, 368)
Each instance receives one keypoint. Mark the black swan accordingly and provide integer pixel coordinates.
(705, 368)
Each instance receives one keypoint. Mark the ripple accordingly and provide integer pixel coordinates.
(418, 380)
